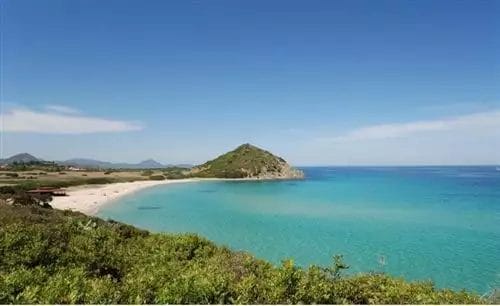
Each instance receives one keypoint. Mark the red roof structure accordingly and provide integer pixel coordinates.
(49, 190)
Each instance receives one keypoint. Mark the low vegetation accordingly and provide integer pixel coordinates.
(30, 180)
(147, 172)
(246, 161)
(35, 165)
(73, 181)
(50, 256)
(36, 174)
(19, 197)
(176, 173)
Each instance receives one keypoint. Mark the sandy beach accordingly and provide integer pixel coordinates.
(89, 198)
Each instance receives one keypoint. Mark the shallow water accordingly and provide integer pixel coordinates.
(438, 223)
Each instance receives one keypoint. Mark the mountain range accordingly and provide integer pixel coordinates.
(92, 163)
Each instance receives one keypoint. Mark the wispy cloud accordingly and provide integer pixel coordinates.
(57, 119)
(471, 122)
(61, 109)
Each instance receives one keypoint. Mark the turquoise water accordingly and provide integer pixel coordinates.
(438, 223)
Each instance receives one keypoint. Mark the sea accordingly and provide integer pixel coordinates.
(420, 223)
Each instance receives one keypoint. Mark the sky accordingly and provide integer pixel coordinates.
(316, 82)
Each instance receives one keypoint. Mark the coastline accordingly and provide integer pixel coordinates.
(88, 199)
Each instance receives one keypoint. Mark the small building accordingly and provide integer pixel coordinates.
(55, 192)
(71, 168)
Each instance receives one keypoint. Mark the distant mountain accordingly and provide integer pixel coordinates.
(150, 163)
(86, 163)
(247, 161)
(19, 158)
(92, 163)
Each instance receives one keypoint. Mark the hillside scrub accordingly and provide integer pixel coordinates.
(51, 256)
(246, 161)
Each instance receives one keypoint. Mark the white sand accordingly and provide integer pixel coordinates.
(89, 198)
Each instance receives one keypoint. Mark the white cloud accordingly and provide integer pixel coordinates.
(461, 140)
(468, 123)
(58, 119)
(61, 109)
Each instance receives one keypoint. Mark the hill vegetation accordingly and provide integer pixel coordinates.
(247, 161)
(49, 256)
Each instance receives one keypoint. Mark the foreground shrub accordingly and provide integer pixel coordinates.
(51, 256)
(11, 174)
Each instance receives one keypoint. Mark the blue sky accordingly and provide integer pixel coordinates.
(317, 82)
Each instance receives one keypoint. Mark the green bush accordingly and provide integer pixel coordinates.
(60, 257)
(18, 196)
(147, 172)
(156, 177)
(99, 180)
(11, 174)
(175, 173)
(9, 190)
(176, 176)
(70, 181)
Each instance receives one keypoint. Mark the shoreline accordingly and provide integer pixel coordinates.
(89, 199)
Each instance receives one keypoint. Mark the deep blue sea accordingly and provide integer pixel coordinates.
(421, 223)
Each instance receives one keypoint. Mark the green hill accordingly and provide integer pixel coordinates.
(48, 256)
(247, 161)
